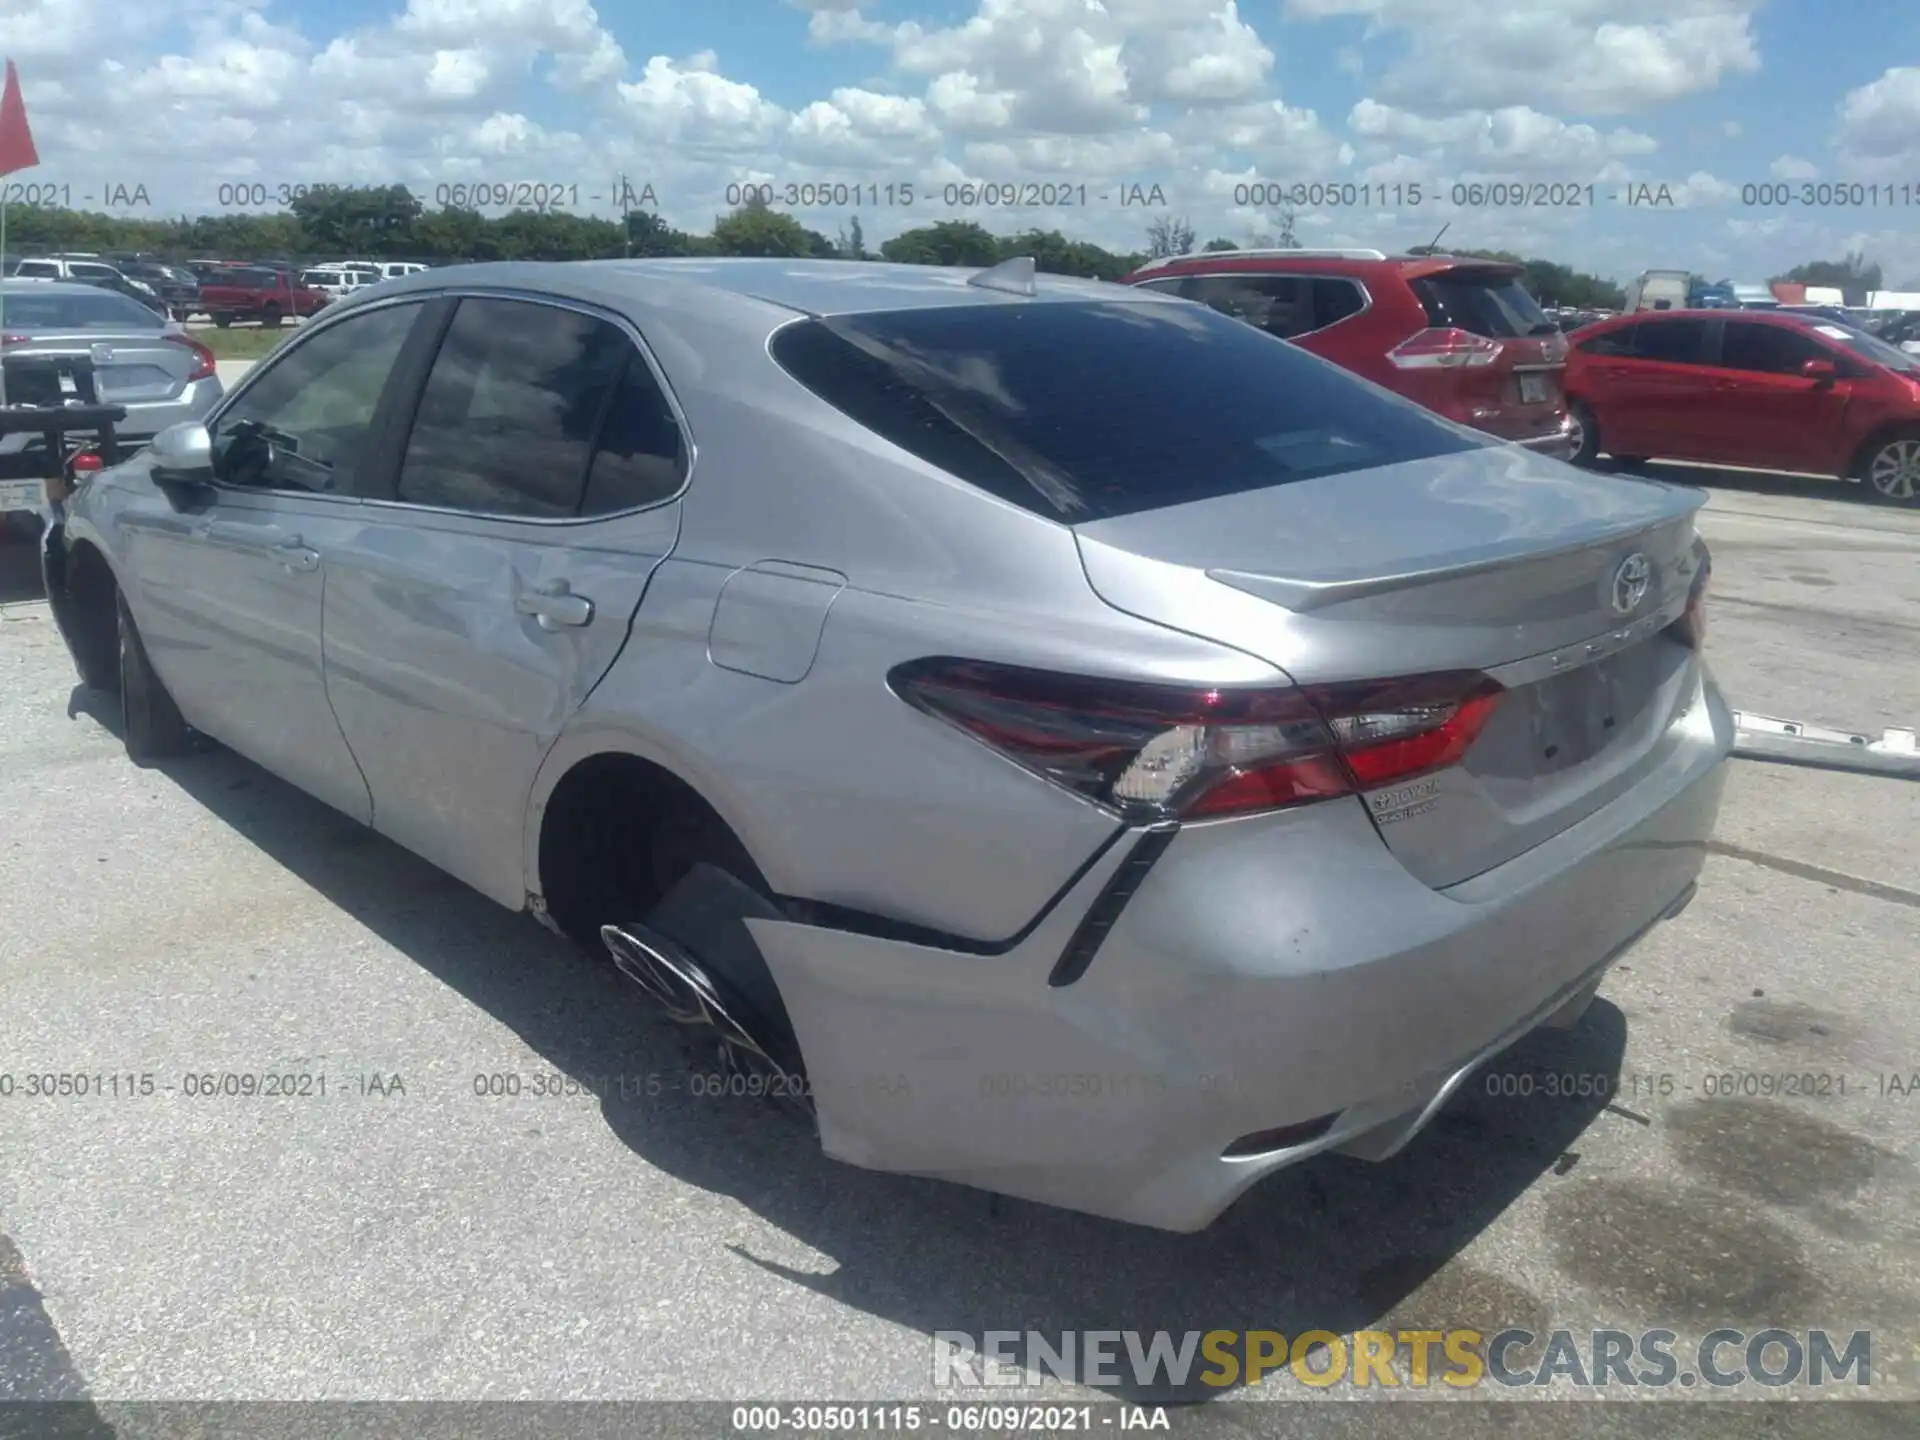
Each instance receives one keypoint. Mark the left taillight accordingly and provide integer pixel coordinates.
(1152, 753)
(204, 367)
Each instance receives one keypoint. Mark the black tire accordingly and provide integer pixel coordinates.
(223, 318)
(150, 722)
(1587, 452)
(1896, 484)
(270, 317)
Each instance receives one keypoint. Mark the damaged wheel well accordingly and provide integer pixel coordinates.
(618, 833)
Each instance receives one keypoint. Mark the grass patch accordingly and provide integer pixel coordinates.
(249, 343)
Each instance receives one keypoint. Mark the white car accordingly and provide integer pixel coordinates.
(336, 281)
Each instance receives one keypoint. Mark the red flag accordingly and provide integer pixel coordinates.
(16, 140)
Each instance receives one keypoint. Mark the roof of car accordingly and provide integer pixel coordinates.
(809, 287)
(1331, 262)
(48, 287)
(1768, 316)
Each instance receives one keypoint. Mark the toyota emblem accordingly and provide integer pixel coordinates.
(1630, 583)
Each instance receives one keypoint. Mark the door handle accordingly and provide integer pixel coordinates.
(296, 556)
(554, 606)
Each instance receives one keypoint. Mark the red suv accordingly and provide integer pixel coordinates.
(1750, 387)
(1462, 337)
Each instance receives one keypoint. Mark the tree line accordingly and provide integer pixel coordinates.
(390, 222)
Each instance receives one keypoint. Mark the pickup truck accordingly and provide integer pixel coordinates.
(268, 296)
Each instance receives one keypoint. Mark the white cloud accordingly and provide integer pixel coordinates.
(1792, 167)
(1591, 57)
(1880, 125)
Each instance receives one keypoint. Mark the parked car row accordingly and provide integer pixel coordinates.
(243, 289)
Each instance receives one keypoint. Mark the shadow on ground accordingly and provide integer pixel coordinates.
(1335, 1245)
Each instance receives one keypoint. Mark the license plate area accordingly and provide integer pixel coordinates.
(1534, 390)
(23, 495)
(1575, 716)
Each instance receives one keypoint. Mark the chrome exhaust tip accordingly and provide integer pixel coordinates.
(757, 1065)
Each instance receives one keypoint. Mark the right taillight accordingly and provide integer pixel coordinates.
(1691, 627)
(204, 367)
(1153, 753)
(1444, 349)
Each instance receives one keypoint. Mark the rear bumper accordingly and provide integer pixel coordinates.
(1268, 972)
(1560, 444)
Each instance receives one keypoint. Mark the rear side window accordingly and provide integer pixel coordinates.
(1676, 342)
(1281, 305)
(1334, 300)
(641, 457)
(1481, 303)
(507, 420)
(1610, 342)
(45, 268)
(1087, 411)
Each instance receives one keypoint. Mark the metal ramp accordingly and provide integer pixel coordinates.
(1792, 742)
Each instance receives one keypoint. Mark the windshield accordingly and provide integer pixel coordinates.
(1869, 347)
(1087, 411)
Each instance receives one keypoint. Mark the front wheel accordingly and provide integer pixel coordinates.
(223, 318)
(1891, 469)
(151, 724)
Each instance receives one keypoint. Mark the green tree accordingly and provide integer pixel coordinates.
(853, 244)
(1855, 272)
(756, 229)
(951, 242)
(358, 219)
(1215, 247)
(1169, 235)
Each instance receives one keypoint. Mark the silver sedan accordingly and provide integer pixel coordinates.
(1049, 735)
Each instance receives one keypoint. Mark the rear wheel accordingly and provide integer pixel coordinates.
(270, 316)
(151, 724)
(1890, 467)
(223, 318)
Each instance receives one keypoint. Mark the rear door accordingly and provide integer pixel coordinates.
(485, 593)
(1655, 390)
(1761, 410)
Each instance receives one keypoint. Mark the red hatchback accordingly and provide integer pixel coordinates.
(1750, 387)
(1461, 337)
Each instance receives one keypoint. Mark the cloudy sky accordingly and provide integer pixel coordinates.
(1748, 112)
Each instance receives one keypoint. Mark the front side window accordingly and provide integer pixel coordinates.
(507, 421)
(1767, 349)
(1618, 341)
(307, 424)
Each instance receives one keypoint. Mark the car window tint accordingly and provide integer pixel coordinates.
(1609, 342)
(307, 423)
(507, 420)
(1171, 285)
(1278, 304)
(1334, 300)
(1088, 410)
(1489, 303)
(1770, 349)
(641, 457)
(1677, 342)
(37, 267)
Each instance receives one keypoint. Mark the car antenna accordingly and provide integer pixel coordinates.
(1014, 276)
(1433, 245)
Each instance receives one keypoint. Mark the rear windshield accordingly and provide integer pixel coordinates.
(1494, 305)
(30, 313)
(1088, 411)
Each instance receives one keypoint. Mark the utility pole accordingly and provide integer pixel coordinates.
(626, 219)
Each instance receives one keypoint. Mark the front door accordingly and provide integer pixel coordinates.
(228, 588)
(1762, 411)
(483, 597)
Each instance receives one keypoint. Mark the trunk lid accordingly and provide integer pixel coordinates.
(129, 367)
(1492, 560)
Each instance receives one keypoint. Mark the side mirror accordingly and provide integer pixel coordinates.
(182, 455)
(1822, 370)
